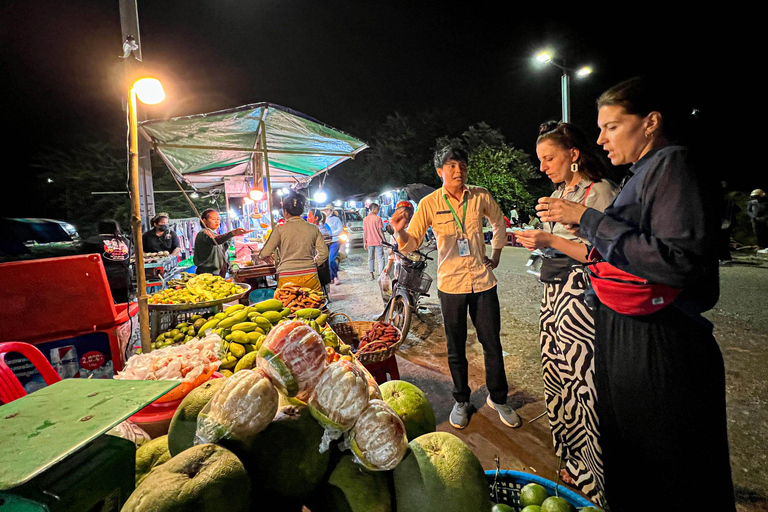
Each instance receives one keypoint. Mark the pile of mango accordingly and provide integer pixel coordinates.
(181, 333)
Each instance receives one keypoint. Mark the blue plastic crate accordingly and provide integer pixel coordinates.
(509, 483)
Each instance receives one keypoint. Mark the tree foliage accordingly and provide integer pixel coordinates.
(102, 167)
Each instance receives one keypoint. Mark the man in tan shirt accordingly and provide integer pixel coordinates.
(465, 279)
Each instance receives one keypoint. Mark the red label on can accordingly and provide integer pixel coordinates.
(92, 360)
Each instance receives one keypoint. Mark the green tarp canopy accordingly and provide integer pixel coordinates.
(206, 149)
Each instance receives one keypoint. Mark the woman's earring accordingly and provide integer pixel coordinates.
(648, 135)
(574, 167)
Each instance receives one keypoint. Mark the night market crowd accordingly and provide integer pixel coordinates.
(634, 378)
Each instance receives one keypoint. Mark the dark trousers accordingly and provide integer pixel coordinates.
(486, 316)
(660, 385)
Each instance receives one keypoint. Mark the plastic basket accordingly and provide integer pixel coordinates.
(260, 294)
(351, 333)
(160, 321)
(414, 280)
(505, 486)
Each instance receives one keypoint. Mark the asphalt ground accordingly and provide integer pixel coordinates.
(741, 328)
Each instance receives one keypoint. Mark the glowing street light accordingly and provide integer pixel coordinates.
(149, 91)
(546, 57)
(320, 196)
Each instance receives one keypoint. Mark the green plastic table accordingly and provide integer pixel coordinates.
(41, 429)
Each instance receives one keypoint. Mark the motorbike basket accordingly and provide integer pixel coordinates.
(414, 280)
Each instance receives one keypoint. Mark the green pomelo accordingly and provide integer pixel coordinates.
(150, 455)
(205, 478)
(532, 508)
(533, 494)
(411, 404)
(440, 474)
(181, 432)
(352, 488)
(557, 504)
(284, 459)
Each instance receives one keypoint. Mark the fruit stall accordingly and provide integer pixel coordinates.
(272, 400)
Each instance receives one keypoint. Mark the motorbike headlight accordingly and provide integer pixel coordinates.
(343, 237)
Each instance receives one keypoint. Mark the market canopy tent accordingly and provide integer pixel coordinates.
(257, 140)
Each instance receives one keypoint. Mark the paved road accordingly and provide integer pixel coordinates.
(741, 327)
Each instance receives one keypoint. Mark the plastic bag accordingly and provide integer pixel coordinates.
(293, 355)
(378, 439)
(130, 431)
(242, 408)
(339, 399)
(385, 283)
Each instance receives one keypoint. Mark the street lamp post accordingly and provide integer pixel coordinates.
(565, 81)
(149, 91)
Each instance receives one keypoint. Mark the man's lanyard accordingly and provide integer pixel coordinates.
(461, 222)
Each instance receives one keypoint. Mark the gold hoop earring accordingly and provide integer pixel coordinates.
(574, 167)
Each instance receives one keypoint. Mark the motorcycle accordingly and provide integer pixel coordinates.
(409, 285)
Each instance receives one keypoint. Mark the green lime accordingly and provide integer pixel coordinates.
(533, 494)
(557, 504)
(532, 508)
(501, 507)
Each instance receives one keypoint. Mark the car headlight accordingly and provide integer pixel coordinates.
(343, 237)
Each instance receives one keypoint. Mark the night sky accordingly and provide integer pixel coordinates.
(348, 64)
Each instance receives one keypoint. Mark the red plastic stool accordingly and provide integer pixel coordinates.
(385, 370)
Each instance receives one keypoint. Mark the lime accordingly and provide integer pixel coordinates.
(532, 508)
(533, 494)
(557, 504)
(501, 507)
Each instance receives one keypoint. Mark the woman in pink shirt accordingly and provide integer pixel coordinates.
(373, 227)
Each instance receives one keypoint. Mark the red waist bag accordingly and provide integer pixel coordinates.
(626, 293)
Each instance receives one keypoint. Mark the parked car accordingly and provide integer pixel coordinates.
(353, 222)
(33, 238)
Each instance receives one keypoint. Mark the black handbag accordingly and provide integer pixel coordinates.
(556, 270)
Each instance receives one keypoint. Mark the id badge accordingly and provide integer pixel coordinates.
(463, 244)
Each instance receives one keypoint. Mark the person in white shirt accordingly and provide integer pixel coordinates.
(334, 223)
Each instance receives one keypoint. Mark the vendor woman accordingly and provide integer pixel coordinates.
(299, 245)
(211, 250)
(161, 238)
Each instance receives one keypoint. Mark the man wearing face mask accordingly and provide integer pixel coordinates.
(160, 238)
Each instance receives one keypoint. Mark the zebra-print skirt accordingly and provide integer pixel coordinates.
(567, 351)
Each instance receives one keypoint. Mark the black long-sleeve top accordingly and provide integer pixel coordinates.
(663, 227)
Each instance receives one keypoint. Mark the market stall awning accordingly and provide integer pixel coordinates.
(206, 149)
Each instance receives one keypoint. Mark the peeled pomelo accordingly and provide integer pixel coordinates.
(378, 437)
(340, 396)
(204, 478)
(293, 355)
(440, 474)
(411, 404)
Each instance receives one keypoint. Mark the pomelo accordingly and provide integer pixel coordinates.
(204, 478)
(557, 504)
(284, 459)
(181, 432)
(533, 494)
(411, 404)
(440, 474)
(352, 488)
(150, 455)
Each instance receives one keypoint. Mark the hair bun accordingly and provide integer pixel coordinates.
(547, 127)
